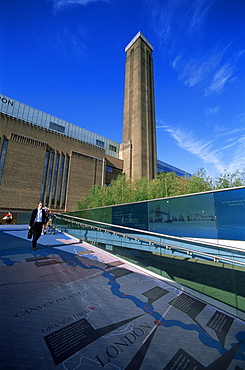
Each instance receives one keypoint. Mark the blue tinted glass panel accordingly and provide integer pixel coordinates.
(131, 215)
(192, 216)
(230, 214)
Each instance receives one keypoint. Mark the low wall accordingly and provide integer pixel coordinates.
(216, 214)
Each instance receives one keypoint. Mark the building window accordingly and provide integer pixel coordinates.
(100, 143)
(112, 148)
(113, 170)
(56, 127)
(45, 170)
(55, 179)
(109, 169)
(50, 172)
(3, 156)
(60, 180)
(65, 181)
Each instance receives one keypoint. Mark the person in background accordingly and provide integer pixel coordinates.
(46, 209)
(51, 222)
(8, 218)
(37, 222)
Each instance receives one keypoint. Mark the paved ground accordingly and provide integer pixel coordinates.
(69, 305)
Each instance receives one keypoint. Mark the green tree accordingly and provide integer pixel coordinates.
(169, 184)
(199, 182)
(230, 180)
(166, 184)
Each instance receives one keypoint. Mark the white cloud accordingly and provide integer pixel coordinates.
(220, 79)
(194, 71)
(236, 128)
(175, 19)
(238, 160)
(181, 27)
(200, 9)
(70, 43)
(61, 4)
(188, 141)
(212, 111)
(209, 151)
(205, 69)
(177, 61)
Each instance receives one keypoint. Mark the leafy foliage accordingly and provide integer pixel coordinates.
(166, 184)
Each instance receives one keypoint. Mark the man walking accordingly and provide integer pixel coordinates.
(37, 223)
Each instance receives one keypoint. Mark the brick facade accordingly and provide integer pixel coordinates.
(24, 178)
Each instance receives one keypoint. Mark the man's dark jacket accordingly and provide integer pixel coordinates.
(33, 216)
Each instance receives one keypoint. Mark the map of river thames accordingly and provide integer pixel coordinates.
(68, 305)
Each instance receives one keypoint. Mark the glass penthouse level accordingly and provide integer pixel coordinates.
(19, 110)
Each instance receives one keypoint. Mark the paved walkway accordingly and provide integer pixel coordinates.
(69, 305)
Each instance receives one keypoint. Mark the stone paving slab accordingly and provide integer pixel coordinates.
(70, 305)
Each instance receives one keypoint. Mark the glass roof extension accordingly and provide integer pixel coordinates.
(19, 110)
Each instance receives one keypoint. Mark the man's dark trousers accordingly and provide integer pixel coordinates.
(37, 231)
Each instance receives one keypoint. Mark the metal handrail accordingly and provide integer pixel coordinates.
(151, 242)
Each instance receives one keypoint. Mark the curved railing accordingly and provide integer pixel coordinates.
(218, 271)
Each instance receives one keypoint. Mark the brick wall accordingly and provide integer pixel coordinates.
(22, 174)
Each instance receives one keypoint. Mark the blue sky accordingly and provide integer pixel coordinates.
(67, 58)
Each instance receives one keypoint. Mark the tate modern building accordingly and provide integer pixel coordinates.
(46, 158)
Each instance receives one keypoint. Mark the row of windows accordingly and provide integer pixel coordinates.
(54, 180)
(100, 143)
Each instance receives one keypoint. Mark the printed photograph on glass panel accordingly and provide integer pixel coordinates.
(192, 216)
